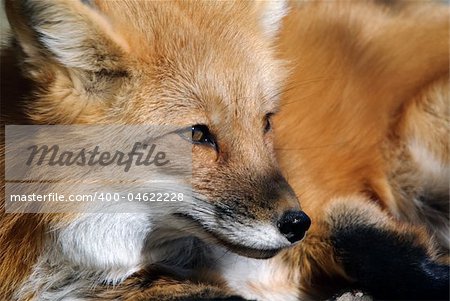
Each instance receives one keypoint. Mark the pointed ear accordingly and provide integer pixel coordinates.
(71, 33)
(271, 15)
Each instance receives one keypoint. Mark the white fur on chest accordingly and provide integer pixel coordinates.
(259, 279)
(108, 242)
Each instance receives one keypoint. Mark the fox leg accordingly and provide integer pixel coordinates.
(159, 284)
(387, 259)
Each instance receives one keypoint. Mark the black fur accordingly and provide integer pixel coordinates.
(390, 266)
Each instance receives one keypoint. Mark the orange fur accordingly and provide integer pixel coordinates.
(367, 78)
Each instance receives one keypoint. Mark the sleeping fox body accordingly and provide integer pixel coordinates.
(363, 135)
(362, 90)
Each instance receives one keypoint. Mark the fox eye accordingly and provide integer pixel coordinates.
(268, 122)
(199, 134)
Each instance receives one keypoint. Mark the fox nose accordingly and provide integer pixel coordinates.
(293, 225)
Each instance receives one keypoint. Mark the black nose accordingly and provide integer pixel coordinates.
(293, 225)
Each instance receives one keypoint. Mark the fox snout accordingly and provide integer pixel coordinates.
(256, 215)
(292, 222)
(293, 225)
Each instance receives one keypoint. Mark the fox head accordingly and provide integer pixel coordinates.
(209, 67)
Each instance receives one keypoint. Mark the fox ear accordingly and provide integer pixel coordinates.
(272, 13)
(71, 33)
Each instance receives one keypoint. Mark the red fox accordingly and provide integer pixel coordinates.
(360, 88)
(204, 66)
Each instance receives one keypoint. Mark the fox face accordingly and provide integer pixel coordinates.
(150, 62)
